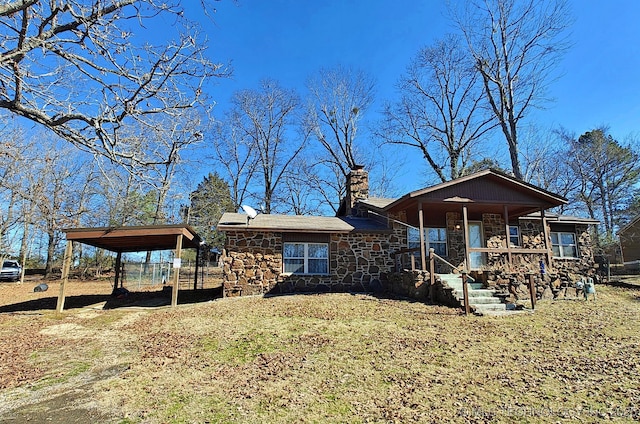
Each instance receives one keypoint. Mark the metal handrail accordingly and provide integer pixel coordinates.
(447, 262)
(461, 271)
(464, 274)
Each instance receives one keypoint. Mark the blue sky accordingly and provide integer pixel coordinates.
(288, 40)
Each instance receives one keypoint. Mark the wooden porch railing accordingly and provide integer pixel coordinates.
(463, 270)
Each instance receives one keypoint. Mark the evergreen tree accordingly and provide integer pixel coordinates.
(209, 201)
(606, 173)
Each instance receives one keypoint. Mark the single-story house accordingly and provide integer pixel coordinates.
(488, 224)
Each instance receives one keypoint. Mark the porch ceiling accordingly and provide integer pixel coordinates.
(435, 212)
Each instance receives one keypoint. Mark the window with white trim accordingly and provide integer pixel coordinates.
(514, 236)
(564, 245)
(435, 238)
(306, 258)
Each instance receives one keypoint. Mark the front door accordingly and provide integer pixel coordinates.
(476, 239)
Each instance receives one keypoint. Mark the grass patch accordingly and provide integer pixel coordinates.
(355, 358)
(63, 374)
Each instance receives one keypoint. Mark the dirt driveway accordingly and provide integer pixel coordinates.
(42, 378)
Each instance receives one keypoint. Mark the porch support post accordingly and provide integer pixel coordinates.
(66, 265)
(432, 274)
(423, 253)
(176, 271)
(532, 291)
(195, 278)
(545, 231)
(467, 246)
(506, 227)
(465, 293)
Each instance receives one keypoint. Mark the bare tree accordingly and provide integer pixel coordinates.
(174, 135)
(304, 192)
(515, 45)
(338, 99)
(63, 181)
(85, 70)
(543, 154)
(235, 153)
(266, 118)
(13, 166)
(440, 110)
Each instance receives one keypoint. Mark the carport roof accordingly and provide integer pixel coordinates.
(135, 238)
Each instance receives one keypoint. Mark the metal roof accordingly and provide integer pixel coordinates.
(564, 219)
(135, 238)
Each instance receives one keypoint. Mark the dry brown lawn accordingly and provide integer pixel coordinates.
(314, 358)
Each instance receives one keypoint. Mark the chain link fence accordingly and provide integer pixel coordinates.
(141, 276)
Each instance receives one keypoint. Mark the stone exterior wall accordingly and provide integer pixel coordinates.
(412, 284)
(366, 261)
(455, 239)
(558, 280)
(253, 264)
(357, 187)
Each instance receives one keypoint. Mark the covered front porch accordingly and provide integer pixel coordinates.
(477, 224)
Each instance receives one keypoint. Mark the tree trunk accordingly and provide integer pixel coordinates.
(51, 250)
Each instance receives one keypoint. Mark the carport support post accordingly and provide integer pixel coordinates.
(66, 265)
(118, 269)
(176, 271)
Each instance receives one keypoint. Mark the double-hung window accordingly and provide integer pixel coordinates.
(514, 235)
(436, 238)
(306, 258)
(564, 245)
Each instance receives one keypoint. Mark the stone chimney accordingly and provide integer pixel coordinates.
(357, 187)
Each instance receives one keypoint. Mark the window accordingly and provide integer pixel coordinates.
(436, 238)
(564, 245)
(514, 235)
(306, 258)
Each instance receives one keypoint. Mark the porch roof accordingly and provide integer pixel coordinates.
(487, 191)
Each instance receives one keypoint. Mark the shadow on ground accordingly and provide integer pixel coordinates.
(139, 299)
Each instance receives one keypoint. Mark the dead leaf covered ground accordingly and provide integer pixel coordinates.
(320, 358)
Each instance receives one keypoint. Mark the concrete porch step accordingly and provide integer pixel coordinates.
(490, 306)
(474, 292)
(483, 301)
(455, 281)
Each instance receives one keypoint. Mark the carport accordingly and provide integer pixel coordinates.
(132, 239)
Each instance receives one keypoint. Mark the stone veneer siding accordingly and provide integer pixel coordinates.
(560, 276)
(532, 237)
(358, 261)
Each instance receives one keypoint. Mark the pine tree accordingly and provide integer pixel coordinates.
(209, 201)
